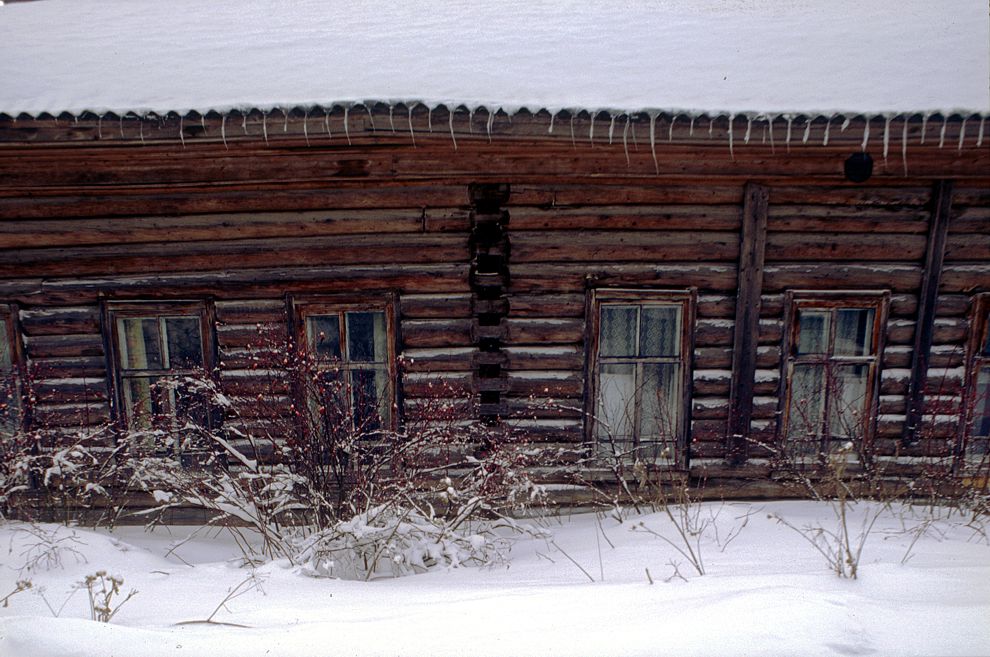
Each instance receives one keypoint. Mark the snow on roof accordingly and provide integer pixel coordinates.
(738, 56)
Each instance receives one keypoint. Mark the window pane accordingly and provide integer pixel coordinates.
(369, 399)
(366, 337)
(854, 331)
(848, 413)
(142, 403)
(660, 331)
(189, 406)
(981, 419)
(616, 402)
(807, 402)
(6, 360)
(661, 395)
(140, 344)
(323, 332)
(9, 404)
(813, 328)
(618, 331)
(184, 342)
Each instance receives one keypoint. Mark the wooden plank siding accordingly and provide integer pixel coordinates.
(245, 223)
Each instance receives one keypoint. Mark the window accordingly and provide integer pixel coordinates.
(10, 390)
(351, 350)
(832, 370)
(978, 436)
(641, 372)
(163, 356)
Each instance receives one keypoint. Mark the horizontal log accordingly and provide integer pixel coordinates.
(261, 338)
(544, 358)
(897, 277)
(437, 333)
(68, 367)
(788, 247)
(626, 218)
(657, 192)
(446, 384)
(219, 227)
(435, 306)
(57, 346)
(968, 218)
(544, 331)
(70, 391)
(528, 278)
(242, 284)
(716, 306)
(70, 415)
(444, 359)
(100, 201)
(546, 384)
(546, 305)
(252, 311)
(612, 246)
(967, 246)
(239, 254)
(59, 321)
(847, 219)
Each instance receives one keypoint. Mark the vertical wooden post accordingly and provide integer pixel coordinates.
(924, 328)
(746, 333)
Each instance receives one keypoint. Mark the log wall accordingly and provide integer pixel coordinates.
(245, 223)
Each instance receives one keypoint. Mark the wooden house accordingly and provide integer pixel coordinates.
(726, 282)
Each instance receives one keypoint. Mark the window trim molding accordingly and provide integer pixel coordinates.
(18, 361)
(794, 299)
(111, 309)
(688, 297)
(386, 301)
(979, 332)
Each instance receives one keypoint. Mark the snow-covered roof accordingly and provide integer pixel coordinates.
(736, 56)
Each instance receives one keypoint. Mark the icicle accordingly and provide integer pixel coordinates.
(732, 154)
(412, 133)
(764, 138)
(653, 142)
(787, 139)
(182, 135)
(347, 128)
(924, 127)
(223, 131)
(573, 138)
(941, 134)
(326, 122)
(866, 132)
(691, 127)
(264, 126)
(120, 121)
(429, 119)
(141, 129)
(391, 119)
(611, 128)
(490, 124)
(305, 126)
(962, 133)
(471, 121)
(749, 129)
(202, 122)
(244, 123)
(886, 139)
(285, 123)
(99, 126)
(807, 131)
(711, 126)
(591, 130)
(371, 117)
(773, 147)
(904, 138)
(450, 123)
(828, 126)
(625, 143)
(552, 116)
(979, 136)
(845, 124)
(670, 132)
(632, 131)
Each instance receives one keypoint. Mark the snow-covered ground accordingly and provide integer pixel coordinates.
(768, 592)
